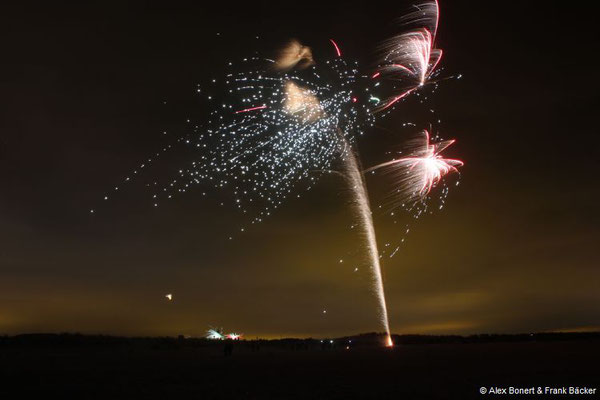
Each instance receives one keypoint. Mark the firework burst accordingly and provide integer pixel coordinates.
(410, 58)
(415, 175)
(275, 132)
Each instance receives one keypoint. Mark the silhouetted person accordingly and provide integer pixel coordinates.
(228, 349)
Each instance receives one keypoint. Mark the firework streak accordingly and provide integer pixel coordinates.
(358, 189)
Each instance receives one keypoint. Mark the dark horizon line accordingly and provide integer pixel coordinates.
(366, 335)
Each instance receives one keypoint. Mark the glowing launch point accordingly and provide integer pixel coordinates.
(389, 342)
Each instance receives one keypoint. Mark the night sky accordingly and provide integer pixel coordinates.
(87, 92)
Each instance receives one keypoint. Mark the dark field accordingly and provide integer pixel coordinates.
(107, 368)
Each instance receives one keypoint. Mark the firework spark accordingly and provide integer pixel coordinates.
(413, 54)
(423, 169)
(251, 109)
(426, 15)
(337, 48)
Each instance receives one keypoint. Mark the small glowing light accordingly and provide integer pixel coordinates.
(169, 296)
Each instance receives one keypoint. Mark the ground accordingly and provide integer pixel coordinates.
(171, 368)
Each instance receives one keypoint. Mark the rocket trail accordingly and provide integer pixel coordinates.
(363, 210)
